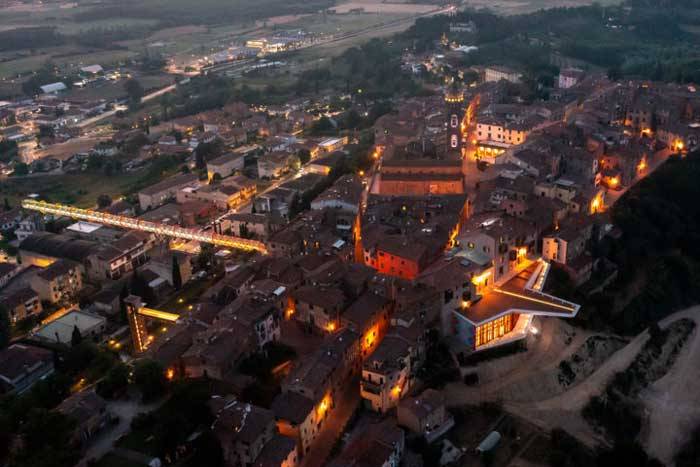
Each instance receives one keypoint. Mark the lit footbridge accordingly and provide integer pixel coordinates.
(124, 222)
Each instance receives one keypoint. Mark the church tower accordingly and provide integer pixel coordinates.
(454, 102)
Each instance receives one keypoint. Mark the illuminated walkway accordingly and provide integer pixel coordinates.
(145, 226)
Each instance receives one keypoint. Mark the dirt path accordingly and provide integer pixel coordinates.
(564, 410)
(545, 353)
(673, 402)
(675, 394)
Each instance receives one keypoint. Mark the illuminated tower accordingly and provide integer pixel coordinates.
(454, 101)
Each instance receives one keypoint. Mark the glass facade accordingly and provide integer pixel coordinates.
(494, 329)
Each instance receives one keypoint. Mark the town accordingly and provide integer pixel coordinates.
(472, 269)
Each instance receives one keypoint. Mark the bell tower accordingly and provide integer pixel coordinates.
(454, 103)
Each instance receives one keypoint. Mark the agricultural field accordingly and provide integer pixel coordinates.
(516, 7)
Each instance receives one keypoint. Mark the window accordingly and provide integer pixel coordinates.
(454, 141)
(454, 121)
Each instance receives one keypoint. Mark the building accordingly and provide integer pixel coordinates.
(242, 429)
(224, 195)
(402, 236)
(7, 272)
(503, 313)
(388, 374)
(324, 165)
(279, 451)
(21, 304)
(89, 412)
(425, 414)
(329, 145)
(225, 165)
(23, 365)
(373, 443)
(158, 194)
(120, 257)
(454, 102)
(274, 164)
(345, 194)
(421, 177)
(300, 418)
(569, 77)
(60, 282)
(319, 307)
(60, 330)
(495, 73)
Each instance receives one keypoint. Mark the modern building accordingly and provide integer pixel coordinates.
(502, 312)
(60, 330)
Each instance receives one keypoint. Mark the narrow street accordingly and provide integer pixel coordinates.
(333, 426)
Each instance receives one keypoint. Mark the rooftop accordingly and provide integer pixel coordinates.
(520, 294)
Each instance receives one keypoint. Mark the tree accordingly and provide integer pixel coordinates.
(122, 304)
(149, 377)
(21, 169)
(138, 284)
(5, 328)
(177, 277)
(104, 201)
(76, 338)
(304, 155)
(134, 90)
(115, 381)
(47, 440)
(6, 204)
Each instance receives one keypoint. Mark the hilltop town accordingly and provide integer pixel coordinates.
(472, 269)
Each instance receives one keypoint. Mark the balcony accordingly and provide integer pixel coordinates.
(372, 388)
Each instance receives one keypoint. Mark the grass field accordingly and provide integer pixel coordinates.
(80, 190)
(514, 7)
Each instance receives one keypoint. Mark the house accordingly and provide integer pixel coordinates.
(9, 220)
(425, 414)
(90, 413)
(273, 165)
(217, 351)
(280, 451)
(300, 418)
(23, 365)
(345, 194)
(123, 255)
(319, 307)
(21, 304)
(60, 282)
(7, 272)
(376, 443)
(324, 165)
(569, 77)
(388, 374)
(225, 165)
(243, 224)
(242, 429)
(158, 194)
(277, 201)
(224, 195)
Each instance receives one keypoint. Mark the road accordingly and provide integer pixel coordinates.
(126, 410)
(236, 69)
(110, 113)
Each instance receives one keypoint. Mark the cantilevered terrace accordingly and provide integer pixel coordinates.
(504, 312)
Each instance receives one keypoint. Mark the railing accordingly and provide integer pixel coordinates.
(144, 226)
